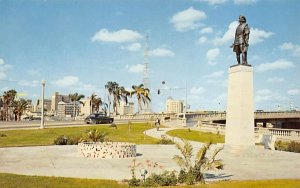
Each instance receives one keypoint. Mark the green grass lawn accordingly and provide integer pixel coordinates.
(40, 137)
(22, 181)
(197, 136)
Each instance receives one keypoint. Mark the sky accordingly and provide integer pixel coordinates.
(80, 45)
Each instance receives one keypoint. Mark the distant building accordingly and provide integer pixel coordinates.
(37, 107)
(85, 107)
(125, 109)
(56, 98)
(174, 106)
(67, 108)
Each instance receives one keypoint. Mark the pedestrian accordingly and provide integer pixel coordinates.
(157, 123)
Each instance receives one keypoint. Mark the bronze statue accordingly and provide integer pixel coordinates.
(240, 45)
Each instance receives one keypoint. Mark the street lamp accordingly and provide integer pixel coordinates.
(42, 109)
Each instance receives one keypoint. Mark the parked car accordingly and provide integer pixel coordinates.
(97, 118)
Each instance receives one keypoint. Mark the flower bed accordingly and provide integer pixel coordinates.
(107, 149)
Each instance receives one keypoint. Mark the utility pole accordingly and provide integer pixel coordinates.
(42, 109)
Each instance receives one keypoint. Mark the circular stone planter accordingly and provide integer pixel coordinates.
(107, 149)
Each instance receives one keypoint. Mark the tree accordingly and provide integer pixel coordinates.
(142, 95)
(193, 172)
(118, 93)
(111, 88)
(19, 108)
(75, 98)
(96, 102)
(8, 98)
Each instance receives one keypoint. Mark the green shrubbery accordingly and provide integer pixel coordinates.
(164, 140)
(288, 146)
(92, 135)
(190, 173)
(3, 135)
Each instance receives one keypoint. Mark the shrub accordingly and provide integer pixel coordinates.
(294, 147)
(288, 146)
(165, 140)
(74, 140)
(61, 140)
(165, 179)
(3, 135)
(96, 135)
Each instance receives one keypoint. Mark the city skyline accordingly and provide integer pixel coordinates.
(78, 46)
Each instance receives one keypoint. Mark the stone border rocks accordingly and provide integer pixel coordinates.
(107, 149)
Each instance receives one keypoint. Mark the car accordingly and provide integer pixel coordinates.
(98, 118)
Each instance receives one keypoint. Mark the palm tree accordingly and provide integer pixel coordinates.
(96, 102)
(142, 95)
(202, 162)
(111, 88)
(19, 108)
(8, 98)
(75, 97)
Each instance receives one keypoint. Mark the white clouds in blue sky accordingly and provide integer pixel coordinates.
(188, 19)
(123, 35)
(78, 47)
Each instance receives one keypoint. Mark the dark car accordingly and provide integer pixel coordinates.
(98, 118)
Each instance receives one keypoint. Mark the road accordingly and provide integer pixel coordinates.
(35, 124)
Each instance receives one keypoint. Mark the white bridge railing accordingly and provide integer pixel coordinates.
(281, 134)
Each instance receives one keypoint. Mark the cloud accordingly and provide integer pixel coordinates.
(290, 47)
(256, 35)
(212, 54)
(293, 92)
(202, 40)
(197, 90)
(133, 47)
(266, 95)
(244, 2)
(216, 74)
(3, 69)
(66, 81)
(275, 80)
(161, 52)
(206, 30)
(214, 2)
(278, 64)
(138, 68)
(122, 35)
(27, 83)
(188, 19)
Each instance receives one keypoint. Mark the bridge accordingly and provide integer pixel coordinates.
(257, 115)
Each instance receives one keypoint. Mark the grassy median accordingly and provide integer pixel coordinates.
(198, 136)
(22, 181)
(42, 137)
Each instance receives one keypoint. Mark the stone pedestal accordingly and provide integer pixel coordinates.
(240, 110)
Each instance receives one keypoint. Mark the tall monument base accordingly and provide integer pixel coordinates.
(240, 112)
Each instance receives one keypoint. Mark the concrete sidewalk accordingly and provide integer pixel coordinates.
(65, 161)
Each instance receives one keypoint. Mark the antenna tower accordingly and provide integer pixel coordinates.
(146, 70)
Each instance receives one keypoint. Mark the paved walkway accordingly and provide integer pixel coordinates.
(65, 161)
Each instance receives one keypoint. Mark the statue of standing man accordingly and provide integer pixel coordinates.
(240, 45)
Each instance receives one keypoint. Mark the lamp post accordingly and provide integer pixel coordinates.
(42, 109)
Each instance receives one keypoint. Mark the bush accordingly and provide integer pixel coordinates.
(294, 147)
(133, 182)
(288, 146)
(96, 135)
(3, 135)
(165, 140)
(64, 140)
(165, 179)
(74, 140)
(61, 140)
